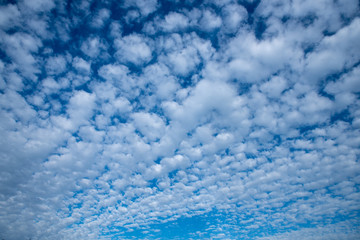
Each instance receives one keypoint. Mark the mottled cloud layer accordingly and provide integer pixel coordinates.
(180, 119)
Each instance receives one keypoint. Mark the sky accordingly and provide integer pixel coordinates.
(180, 119)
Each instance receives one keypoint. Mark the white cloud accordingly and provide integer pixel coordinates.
(164, 83)
(113, 72)
(81, 65)
(132, 16)
(183, 62)
(115, 29)
(118, 75)
(41, 28)
(174, 21)
(145, 7)
(39, 5)
(100, 18)
(14, 81)
(150, 125)
(249, 54)
(18, 106)
(81, 106)
(92, 47)
(20, 48)
(198, 107)
(234, 15)
(348, 83)
(274, 87)
(339, 230)
(339, 51)
(209, 21)
(184, 53)
(10, 16)
(134, 49)
(56, 65)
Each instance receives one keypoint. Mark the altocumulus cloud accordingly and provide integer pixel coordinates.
(214, 119)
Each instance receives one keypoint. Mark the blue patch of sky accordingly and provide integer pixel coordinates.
(250, 6)
(181, 228)
(209, 224)
(344, 115)
(259, 27)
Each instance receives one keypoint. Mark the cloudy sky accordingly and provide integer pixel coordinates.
(180, 119)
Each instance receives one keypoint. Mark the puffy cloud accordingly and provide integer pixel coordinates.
(20, 47)
(10, 16)
(92, 47)
(174, 21)
(249, 54)
(115, 29)
(185, 53)
(81, 65)
(159, 76)
(80, 108)
(337, 60)
(145, 7)
(39, 5)
(209, 21)
(234, 15)
(274, 87)
(150, 125)
(56, 65)
(348, 83)
(117, 75)
(100, 18)
(134, 49)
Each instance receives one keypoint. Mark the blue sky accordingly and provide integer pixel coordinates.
(181, 119)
